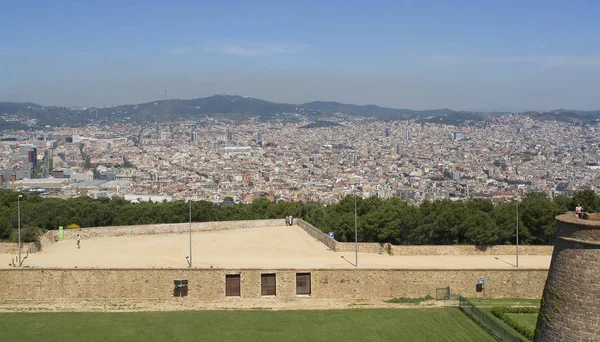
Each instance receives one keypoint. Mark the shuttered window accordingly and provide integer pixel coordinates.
(232, 285)
(268, 284)
(302, 283)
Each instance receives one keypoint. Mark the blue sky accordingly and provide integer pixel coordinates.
(402, 54)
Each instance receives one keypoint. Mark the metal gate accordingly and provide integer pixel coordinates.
(442, 293)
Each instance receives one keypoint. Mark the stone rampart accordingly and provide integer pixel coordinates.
(367, 247)
(317, 234)
(169, 228)
(469, 250)
(13, 248)
(570, 309)
(209, 284)
(408, 250)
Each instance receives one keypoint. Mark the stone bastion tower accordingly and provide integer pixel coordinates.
(570, 308)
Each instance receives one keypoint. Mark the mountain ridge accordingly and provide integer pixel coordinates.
(239, 108)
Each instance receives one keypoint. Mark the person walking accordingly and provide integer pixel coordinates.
(78, 241)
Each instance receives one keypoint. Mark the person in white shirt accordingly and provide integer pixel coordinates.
(579, 210)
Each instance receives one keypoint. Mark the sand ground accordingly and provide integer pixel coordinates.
(267, 247)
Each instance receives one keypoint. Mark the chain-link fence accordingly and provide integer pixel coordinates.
(487, 322)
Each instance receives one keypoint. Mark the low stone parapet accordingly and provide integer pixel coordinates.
(13, 247)
(317, 234)
(410, 250)
(148, 229)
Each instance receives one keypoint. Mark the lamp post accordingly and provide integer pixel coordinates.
(355, 232)
(190, 232)
(19, 224)
(517, 201)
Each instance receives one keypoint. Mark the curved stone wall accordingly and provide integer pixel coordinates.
(570, 308)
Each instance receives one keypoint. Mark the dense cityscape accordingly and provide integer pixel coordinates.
(217, 159)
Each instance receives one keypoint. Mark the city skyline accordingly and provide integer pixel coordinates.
(463, 56)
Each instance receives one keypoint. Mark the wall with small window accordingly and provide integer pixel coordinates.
(229, 284)
(233, 285)
(268, 284)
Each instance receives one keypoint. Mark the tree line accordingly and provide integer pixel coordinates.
(476, 221)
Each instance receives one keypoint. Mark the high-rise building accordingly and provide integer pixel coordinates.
(164, 135)
(458, 136)
(28, 155)
(259, 139)
(408, 134)
(399, 148)
(193, 136)
(387, 132)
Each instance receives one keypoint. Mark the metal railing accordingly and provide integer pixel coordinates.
(486, 321)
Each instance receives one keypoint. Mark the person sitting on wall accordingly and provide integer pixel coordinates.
(286, 221)
(579, 211)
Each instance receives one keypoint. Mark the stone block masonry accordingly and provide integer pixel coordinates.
(13, 248)
(209, 284)
(570, 308)
(408, 250)
(168, 228)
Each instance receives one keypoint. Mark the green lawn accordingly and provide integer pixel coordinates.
(486, 305)
(528, 320)
(448, 324)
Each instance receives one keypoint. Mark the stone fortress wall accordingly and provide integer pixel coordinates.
(570, 309)
(386, 248)
(43, 284)
(332, 244)
(13, 248)
(148, 229)
(209, 284)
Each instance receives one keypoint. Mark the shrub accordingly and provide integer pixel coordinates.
(73, 226)
(409, 300)
(28, 234)
(501, 312)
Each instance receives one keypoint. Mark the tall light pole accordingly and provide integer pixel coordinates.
(19, 224)
(190, 232)
(517, 201)
(355, 232)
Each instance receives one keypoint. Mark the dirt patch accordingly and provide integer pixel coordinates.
(182, 304)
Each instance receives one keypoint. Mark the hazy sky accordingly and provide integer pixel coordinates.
(403, 54)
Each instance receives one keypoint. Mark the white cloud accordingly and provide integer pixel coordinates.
(253, 49)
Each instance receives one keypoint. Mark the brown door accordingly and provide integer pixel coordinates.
(232, 285)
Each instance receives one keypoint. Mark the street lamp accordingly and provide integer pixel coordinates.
(19, 224)
(190, 261)
(355, 232)
(517, 202)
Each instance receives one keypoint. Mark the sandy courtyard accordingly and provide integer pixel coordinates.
(267, 247)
